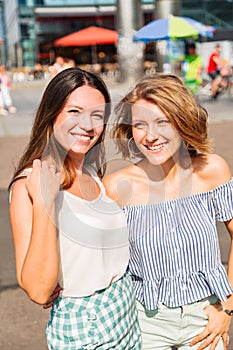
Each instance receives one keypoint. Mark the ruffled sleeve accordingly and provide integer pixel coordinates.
(223, 201)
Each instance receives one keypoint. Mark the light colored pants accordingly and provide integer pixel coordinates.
(5, 96)
(167, 327)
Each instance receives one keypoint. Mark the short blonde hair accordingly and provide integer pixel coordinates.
(169, 93)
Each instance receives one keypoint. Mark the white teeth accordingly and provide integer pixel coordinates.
(156, 147)
(82, 137)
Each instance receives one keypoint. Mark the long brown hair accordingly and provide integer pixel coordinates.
(168, 92)
(42, 142)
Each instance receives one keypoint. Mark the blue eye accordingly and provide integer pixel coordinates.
(163, 121)
(139, 125)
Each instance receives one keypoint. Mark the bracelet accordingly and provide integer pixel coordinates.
(227, 311)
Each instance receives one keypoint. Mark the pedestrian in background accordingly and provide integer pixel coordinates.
(6, 103)
(66, 230)
(215, 64)
(70, 62)
(37, 72)
(192, 68)
(172, 199)
(58, 66)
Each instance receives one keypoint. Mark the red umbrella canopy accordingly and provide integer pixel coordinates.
(88, 36)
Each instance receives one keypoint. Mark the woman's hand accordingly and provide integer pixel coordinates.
(52, 297)
(43, 182)
(217, 328)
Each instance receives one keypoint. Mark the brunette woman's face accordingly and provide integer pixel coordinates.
(155, 136)
(81, 122)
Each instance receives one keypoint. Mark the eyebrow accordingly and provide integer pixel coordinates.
(145, 119)
(82, 108)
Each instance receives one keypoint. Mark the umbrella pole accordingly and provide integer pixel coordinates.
(167, 64)
(94, 54)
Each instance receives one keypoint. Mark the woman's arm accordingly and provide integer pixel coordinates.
(219, 321)
(32, 216)
(218, 173)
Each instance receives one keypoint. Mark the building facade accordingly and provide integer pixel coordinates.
(30, 26)
(33, 25)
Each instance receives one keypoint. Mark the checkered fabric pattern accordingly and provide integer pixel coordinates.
(105, 320)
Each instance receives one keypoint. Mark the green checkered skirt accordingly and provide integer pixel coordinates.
(105, 320)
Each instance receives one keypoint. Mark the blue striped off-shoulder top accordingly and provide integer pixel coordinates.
(175, 254)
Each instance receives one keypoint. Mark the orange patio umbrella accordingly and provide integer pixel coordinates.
(90, 36)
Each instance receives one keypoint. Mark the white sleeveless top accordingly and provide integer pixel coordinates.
(93, 242)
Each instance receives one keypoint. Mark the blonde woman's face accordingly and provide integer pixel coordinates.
(155, 136)
(81, 122)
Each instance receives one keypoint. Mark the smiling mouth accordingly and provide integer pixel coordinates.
(84, 138)
(156, 148)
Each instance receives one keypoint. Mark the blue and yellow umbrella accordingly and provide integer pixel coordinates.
(173, 27)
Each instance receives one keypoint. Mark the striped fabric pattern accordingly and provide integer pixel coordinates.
(175, 254)
(105, 320)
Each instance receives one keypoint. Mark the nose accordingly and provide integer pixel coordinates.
(85, 122)
(152, 133)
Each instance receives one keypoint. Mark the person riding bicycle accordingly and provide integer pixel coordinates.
(192, 68)
(216, 64)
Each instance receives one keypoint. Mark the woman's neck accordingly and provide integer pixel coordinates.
(167, 171)
(78, 163)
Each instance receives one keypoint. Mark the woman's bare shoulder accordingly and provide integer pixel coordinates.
(119, 182)
(123, 172)
(18, 188)
(213, 169)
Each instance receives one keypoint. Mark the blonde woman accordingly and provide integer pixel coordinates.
(172, 198)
